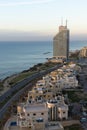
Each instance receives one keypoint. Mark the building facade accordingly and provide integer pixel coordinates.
(57, 108)
(35, 117)
(28, 115)
(83, 52)
(61, 43)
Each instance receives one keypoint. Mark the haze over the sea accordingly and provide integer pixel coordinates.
(37, 20)
(28, 20)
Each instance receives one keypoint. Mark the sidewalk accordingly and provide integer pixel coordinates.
(70, 122)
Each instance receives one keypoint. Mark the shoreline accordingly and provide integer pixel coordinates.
(18, 89)
(8, 79)
(11, 80)
(7, 69)
(17, 73)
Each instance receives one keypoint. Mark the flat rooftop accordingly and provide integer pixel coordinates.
(35, 107)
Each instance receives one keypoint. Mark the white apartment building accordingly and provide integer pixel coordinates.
(35, 117)
(28, 115)
(44, 105)
(67, 82)
(58, 110)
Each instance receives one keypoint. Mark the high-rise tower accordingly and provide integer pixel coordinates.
(61, 43)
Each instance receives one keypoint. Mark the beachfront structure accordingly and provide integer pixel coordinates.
(61, 43)
(43, 92)
(35, 117)
(83, 52)
(39, 96)
(53, 84)
(45, 103)
(57, 108)
(68, 81)
(32, 115)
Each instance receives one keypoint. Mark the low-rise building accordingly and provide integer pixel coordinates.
(28, 115)
(83, 52)
(35, 117)
(45, 104)
(58, 110)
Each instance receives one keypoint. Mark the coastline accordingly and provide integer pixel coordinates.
(30, 82)
(11, 80)
(18, 89)
(8, 79)
(19, 56)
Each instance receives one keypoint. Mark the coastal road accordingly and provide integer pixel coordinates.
(22, 83)
(20, 86)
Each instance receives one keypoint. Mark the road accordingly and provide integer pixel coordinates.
(20, 85)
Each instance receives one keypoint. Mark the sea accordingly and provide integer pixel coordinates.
(18, 56)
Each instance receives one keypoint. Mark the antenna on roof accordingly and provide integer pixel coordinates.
(62, 21)
(66, 23)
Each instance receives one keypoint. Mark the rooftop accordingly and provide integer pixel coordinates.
(35, 107)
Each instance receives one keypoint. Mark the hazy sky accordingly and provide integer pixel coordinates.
(39, 19)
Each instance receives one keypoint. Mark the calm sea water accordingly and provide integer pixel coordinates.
(18, 56)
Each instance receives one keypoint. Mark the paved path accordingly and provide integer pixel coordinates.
(7, 125)
(70, 122)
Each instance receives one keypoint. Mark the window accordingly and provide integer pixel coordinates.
(22, 114)
(34, 114)
(22, 123)
(18, 114)
(30, 97)
(28, 114)
(42, 113)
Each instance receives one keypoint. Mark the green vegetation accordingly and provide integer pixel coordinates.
(24, 75)
(20, 77)
(75, 95)
(1, 86)
(73, 127)
(32, 70)
(72, 95)
(3, 102)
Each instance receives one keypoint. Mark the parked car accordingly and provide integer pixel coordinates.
(83, 119)
(84, 114)
(13, 123)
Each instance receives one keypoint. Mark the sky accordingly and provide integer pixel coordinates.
(28, 20)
